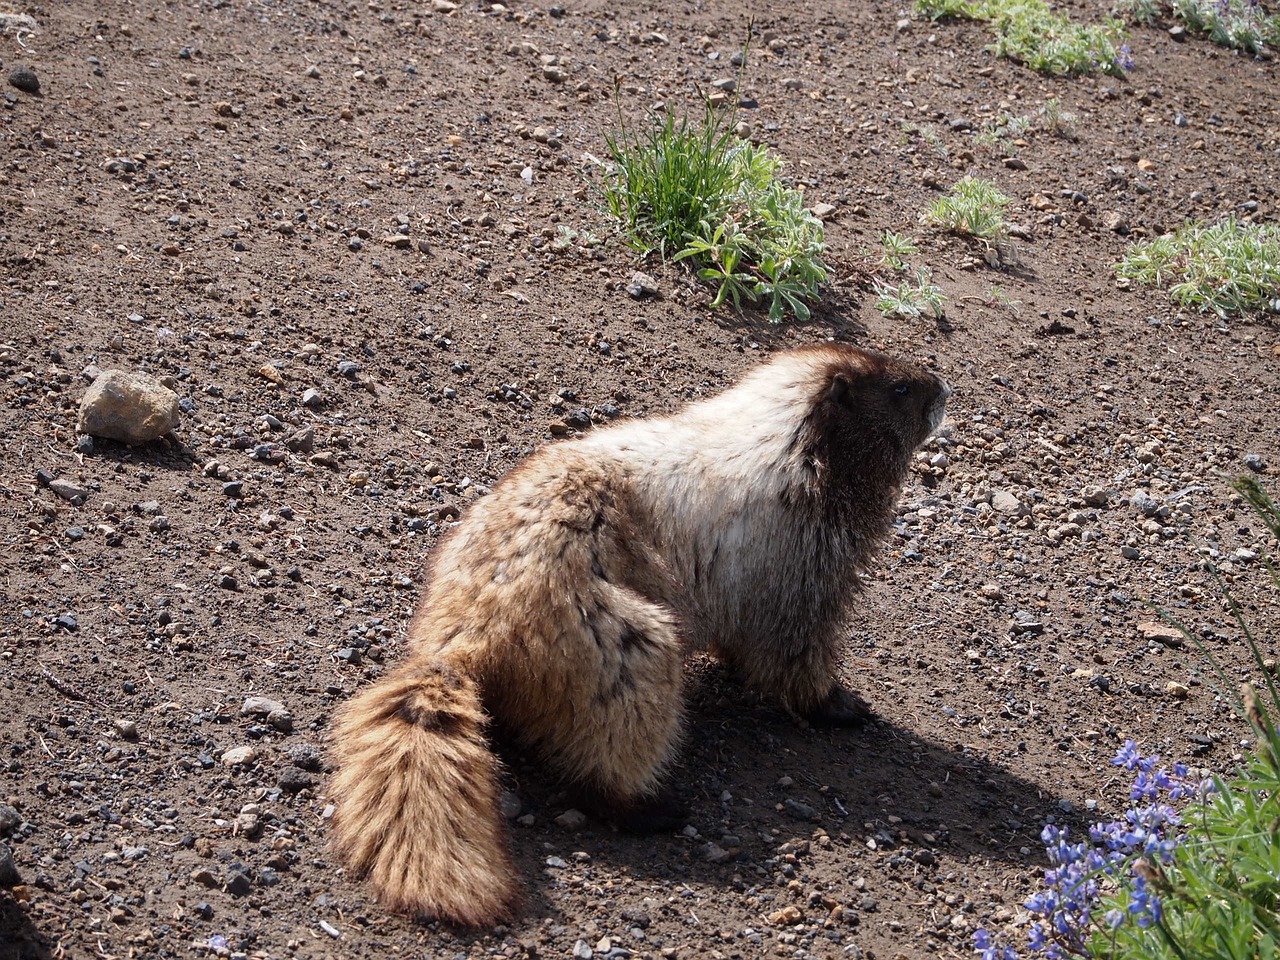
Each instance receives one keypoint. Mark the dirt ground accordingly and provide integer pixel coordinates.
(240, 195)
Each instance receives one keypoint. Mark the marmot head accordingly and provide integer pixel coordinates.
(871, 413)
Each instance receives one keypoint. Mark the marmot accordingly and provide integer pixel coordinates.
(564, 603)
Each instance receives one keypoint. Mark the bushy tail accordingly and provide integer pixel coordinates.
(417, 798)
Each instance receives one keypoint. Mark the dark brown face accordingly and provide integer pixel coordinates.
(890, 402)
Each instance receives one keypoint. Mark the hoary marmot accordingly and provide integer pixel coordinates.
(565, 602)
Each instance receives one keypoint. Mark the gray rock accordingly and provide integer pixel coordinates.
(312, 398)
(1253, 461)
(510, 805)
(1024, 621)
(801, 811)
(1116, 223)
(642, 286)
(127, 729)
(1005, 502)
(571, 819)
(305, 756)
(8, 869)
(301, 441)
(130, 407)
(25, 79)
(291, 780)
(239, 755)
(1095, 496)
(69, 491)
(1143, 502)
(9, 818)
(259, 706)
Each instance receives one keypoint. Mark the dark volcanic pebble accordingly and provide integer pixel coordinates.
(25, 79)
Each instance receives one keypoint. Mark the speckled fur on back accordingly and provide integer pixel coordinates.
(565, 602)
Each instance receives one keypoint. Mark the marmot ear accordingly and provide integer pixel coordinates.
(840, 389)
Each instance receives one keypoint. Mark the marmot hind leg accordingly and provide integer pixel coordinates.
(614, 723)
(804, 678)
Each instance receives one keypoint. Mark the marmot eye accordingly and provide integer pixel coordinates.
(901, 389)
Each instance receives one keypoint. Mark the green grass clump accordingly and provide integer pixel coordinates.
(910, 299)
(1229, 268)
(1028, 32)
(1240, 24)
(973, 207)
(692, 190)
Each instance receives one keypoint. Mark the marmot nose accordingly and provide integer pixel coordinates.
(945, 389)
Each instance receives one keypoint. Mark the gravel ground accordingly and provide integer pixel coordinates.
(357, 240)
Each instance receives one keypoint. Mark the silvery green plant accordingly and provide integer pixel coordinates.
(1230, 268)
(1030, 33)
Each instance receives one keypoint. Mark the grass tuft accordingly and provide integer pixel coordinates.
(1030, 33)
(691, 190)
(1229, 268)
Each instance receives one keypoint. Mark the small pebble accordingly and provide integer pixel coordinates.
(239, 756)
(9, 876)
(25, 79)
(305, 756)
(127, 729)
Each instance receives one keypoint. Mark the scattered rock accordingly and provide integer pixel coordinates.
(1115, 223)
(9, 876)
(510, 804)
(69, 491)
(25, 79)
(1005, 502)
(239, 756)
(127, 729)
(788, 916)
(238, 882)
(305, 756)
(1161, 633)
(801, 811)
(642, 286)
(571, 819)
(130, 407)
(1144, 503)
(9, 818)
(1095, 496)
(291, 780)
(260, 706)
(1026, 622)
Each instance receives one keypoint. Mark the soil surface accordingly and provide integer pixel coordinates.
(391, 203)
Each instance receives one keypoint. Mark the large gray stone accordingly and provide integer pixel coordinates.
(131, 407)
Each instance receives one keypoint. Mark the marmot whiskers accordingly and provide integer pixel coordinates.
(565, 602)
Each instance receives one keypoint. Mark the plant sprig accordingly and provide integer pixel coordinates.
(1229, 268)
(691, 190)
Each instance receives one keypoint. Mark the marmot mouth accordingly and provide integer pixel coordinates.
(937, 411)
